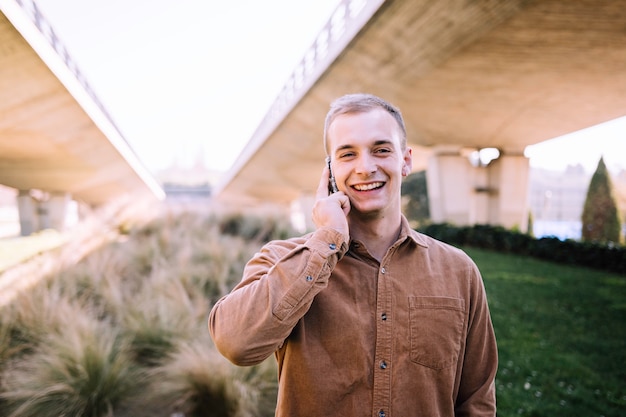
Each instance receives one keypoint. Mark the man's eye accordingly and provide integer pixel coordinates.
(383, 150)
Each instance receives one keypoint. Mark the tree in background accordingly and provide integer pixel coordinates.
(619, 184)
(415, 199)
(600, 218)
(531, 224)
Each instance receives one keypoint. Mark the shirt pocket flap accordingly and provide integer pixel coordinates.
(436, 329)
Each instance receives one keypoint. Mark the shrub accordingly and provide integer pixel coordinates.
(161, 313)
(84, 369)
(600, 218)
(198, 382)
(255, 228)
(36, 313)
(124, 331)
(608, 257)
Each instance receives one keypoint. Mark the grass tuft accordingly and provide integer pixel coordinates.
(198, 382)
(84, 369)
(124, 332)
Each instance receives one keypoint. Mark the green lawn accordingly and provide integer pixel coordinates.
(561, 335)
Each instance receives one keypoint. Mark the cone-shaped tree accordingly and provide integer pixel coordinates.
(600, 219)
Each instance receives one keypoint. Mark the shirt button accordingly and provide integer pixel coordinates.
(383, 270)
(383, 365)
(383, 316)
(309, 278)
(381, 413)
(332, 246)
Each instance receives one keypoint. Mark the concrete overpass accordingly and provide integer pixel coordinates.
(467, 75)
(57, 142)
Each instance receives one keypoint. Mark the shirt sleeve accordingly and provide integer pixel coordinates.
(477, 395)
(278, 286)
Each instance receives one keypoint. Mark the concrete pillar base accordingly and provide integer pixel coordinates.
(27, 210)
(54, 210)
(464, 194)
(50, 212)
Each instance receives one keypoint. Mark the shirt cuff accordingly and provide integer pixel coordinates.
(327, 241)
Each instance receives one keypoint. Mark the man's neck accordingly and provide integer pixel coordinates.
(377, 234)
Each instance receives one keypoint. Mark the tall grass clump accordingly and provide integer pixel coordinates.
(124, 331)
(83, 370)
(5, 343)
(197, 382)
(161, 313)
(37, 313)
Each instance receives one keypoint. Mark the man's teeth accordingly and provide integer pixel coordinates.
(367, 187)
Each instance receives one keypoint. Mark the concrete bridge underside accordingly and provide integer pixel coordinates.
(55, 138)
(466, 75)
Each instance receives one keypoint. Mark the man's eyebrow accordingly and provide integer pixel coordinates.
(376, 143)
(344, 147)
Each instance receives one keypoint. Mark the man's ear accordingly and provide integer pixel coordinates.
(408, 162)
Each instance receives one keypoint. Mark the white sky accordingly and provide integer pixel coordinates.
(189, 79)
(585, 147)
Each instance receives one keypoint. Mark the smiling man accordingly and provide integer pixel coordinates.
(365, 316)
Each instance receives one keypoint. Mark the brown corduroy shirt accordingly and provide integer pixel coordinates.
(409, 336)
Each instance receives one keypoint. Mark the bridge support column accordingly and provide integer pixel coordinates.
(53, 211)
(510, 181)
(50, 212)
(447, 178)
(27, 208)
(464, 193)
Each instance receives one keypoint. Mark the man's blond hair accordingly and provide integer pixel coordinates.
(361, 103)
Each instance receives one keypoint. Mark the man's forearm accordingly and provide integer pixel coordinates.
(278, 287)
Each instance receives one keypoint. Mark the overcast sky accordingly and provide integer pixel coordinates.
(183, 78)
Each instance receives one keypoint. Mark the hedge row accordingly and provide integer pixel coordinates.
(593, 255)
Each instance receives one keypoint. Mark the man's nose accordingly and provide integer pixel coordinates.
(366, 165)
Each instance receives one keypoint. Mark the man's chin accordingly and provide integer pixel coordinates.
(366, 211)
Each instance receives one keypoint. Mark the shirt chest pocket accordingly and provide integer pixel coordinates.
(436, 328)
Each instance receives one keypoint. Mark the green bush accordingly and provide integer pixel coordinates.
(604, 256)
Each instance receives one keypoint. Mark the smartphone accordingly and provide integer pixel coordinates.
(332, 184)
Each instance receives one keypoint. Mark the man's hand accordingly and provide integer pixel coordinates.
(331, 210)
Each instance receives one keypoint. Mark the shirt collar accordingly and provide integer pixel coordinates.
(406, 232)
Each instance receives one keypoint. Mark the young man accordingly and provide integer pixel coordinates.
(365, 316)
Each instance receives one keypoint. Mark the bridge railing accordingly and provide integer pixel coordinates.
(346, 21)
(34, 14)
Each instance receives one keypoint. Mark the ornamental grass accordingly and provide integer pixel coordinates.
(124, 331)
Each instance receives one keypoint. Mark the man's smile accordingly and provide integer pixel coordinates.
(368, 187)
